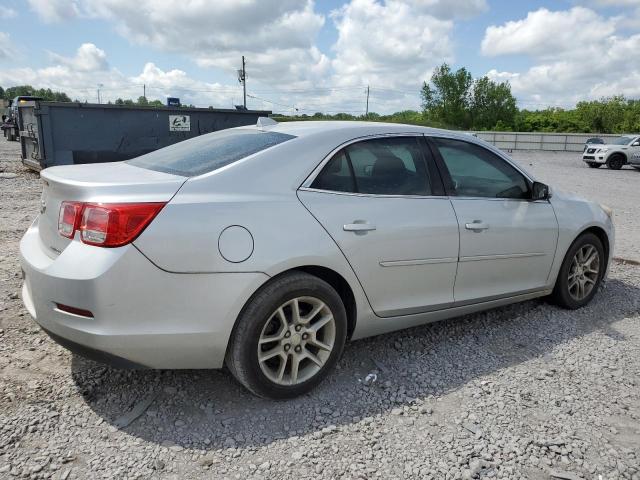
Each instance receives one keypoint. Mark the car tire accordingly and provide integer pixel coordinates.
(594, 165)
(569, 294)
(616, 162)
(260, 331)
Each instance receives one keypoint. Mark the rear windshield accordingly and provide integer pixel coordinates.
(209, 152)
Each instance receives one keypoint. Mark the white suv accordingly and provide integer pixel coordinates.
(616, 154)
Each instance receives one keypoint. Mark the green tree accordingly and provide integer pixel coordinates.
(447, 97)
(20, 90)
(27, 90)
(604, 116)
(491, 104)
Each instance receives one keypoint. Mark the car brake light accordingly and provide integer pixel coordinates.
(69, 218)
(107, 224)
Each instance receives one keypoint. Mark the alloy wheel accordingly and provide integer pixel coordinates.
(584, 272)
(296, 341)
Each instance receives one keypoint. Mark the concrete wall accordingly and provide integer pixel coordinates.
(563, 142)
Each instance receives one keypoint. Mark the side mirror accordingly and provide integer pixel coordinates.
(635, 144)
(540, 191)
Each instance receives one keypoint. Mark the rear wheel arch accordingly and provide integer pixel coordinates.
(340, 284)
(333, 278)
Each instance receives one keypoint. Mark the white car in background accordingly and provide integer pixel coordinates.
(616, 154)
(266, 248)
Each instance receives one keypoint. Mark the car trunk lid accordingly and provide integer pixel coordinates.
(98, 183)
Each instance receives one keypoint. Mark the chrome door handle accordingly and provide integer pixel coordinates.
(477, 226)
(358, 227)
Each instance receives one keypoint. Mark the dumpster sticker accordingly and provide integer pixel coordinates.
(179, 123)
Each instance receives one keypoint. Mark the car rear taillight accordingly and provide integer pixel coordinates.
(69, 218)
(106, 224)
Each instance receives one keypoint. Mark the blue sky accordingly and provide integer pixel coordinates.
(319, 55)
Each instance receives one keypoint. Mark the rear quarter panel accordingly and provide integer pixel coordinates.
(259, 194)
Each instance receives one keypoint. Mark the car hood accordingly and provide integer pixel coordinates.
(612, 146)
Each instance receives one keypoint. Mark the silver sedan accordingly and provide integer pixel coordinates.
(266, 248)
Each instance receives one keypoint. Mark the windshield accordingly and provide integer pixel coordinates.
(209, 152)
(622, 141)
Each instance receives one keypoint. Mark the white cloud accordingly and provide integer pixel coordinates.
(88, 58)
(80, 75)
(7, 13)
(278, 35)
(585, 57)
(6, 46)
(449, 8)
(545, 33)
(55, 10)
(391, 44)
(614, 3)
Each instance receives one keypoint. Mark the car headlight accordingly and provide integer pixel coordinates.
(603, 150)
(607, 210)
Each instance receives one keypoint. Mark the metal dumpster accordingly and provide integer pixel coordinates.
(56, 133)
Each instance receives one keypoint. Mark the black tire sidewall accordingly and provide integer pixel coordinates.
(561, 290)
(616, 162)
(243, 352)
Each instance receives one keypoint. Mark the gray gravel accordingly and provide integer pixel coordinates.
(526, 391)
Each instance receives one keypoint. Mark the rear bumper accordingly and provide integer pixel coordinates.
(92, 354)
(141, 315)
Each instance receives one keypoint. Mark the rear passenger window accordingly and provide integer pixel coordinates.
(383, 166)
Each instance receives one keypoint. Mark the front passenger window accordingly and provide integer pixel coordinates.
(477, 172)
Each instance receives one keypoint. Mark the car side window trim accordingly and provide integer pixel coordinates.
(429, 159)
(437, 189)
(354, 178)
(448, 181)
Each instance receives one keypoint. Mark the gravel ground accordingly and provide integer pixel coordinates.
(527, 391)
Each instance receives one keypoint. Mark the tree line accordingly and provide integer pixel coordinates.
(27, 90)
(455, 100)
(55, 96)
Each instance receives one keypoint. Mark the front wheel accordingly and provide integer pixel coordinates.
(616, 162)
(581, 272)
(289, 336)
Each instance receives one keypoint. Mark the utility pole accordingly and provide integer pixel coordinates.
(99, 86)
(242, 78)
(144, 90)
(367, 110)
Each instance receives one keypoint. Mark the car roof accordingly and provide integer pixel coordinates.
(354, 128)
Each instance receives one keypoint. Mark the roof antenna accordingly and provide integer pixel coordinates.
(264, 122)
